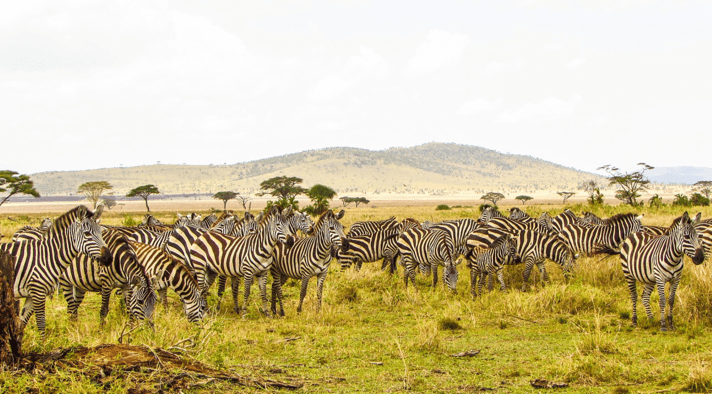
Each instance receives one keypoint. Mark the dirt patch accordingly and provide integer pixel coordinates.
(149, 370)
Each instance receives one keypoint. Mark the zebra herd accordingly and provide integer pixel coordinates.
(76, 254)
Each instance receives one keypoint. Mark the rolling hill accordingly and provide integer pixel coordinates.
(433, 168)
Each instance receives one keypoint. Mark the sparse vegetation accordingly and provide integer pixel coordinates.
(493, 197)
(12, 183)
(630, 184)
(144, 192)
(225, 196)
(442, 207)
(523, 198)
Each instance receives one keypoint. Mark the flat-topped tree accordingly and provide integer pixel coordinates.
(704, 188)
(630, 184)
(566, 195)
(320, 196)
(94, 190)
(143, 192)
(492, 196)
(225, 196)
(357, 200)
(13, 183)
(285, 188)
(523, 199)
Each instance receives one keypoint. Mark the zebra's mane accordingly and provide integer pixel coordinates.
(324, 217)
(619, 218)
(677, 222)
(63, 222)
(499, 241)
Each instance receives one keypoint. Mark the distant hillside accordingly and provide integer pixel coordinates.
(433, 168)
(680, 175)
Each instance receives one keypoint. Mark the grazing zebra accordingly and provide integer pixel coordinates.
(124, 272)
(489, 212)
(487, 262)
(370, 227)
(166, 272)
(457, 229)
(532, 248)
(39, 264)
(656, 260)
(29, 233)
(308, 257)
(428, 248)
(566, 218)
(249, 256)
(180, 241)
(604, 238)
(369, 248)
(240, 228)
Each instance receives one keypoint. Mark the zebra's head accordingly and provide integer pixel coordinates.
(88, 240)
(450, 274)
(517, 214)
(690, 240)
(277, 223)
(300, 221)
(46, 224)
(329, 224)
(143, 300)
(196, 307)
(181, 221)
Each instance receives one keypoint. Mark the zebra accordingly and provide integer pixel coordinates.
(309, 256)
(510, 225)
(564, 219)
(656, 260)
(249, 256)
(428, 248)
(369, 248)
(180, 241)
(486, 262)
(299, 221)
(240, 228)
(39, 264)
(165, 272)
(605, 238)
(457, 229)
(589, 217)
(208, 221)
(532, 247)
(489, 212)
(517, 214)
(29, 233)
(124, 272)
(704, 234)
(370, 227)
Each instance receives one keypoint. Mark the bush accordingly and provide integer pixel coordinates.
(698, 199)
(656, 201)
(442, 207)
(449, 324)
(129, 221)
(681, 200)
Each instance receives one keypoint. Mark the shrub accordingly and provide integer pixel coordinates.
(129, 221)
(442, 207)
(681, 200)
(698, 199)
(449, 324)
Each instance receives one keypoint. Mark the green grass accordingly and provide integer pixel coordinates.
(577, 332)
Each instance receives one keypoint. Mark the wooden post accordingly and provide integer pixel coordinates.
(10, 333)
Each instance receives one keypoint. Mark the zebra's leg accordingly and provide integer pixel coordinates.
(671, 300)
(474, 274)
(481, 282)
(542, 271)
(303, 292)
(262, 282)
(434, 269)
(235, 287)
(249, 277)
(163, 295)
(222, 282)
(27, 311)
(528, 265)
(105, 297)
(276, 287)
(661, 293)
(67, 289)
(358, 265)
(319, 287)
(500, 278)
(38, 307)
(633, 299)
(647, 291)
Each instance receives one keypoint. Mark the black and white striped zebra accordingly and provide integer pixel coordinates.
(590, 218)
(124, 272)
(39, 264)
(421, 247)
(370, 227)
(299, 221)
(607, 237)
(510, 225)
(309, 256)
(458, 230)
(207, 222)
(532, 248)
(369, 248)
(180, 241)
(489, 212)
(166, 272)
(235, 228)
(29, 233)
(249, 257)
(487, 261)
(564, 219)
(656, 260)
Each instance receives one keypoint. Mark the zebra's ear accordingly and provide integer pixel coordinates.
(179, 215)
(697, 218)
(259, 217)
(340, 214)
(458, 261)
(287, 212)
(248, 215)
(640, 217)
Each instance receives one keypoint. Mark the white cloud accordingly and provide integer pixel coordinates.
(576, 63)
(329, 88)
(553, 47)
(549, 109)
(440, 49)
(479, 105)
(503, 67)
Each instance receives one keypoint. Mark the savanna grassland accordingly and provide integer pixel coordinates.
(373, 335)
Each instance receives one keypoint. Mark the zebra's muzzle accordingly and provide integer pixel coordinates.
(290, 241)
(106, 258)
(344, 245)
(699, 256)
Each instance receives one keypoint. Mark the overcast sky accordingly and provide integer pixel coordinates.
(87, 84)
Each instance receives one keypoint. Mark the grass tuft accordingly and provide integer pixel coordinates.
(449, 324)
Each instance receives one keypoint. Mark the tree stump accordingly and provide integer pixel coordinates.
(10, 333)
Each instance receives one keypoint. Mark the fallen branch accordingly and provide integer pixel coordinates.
(466, 353)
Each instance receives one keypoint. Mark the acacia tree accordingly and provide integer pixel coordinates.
(492, 196)
(523, 199)
(109, 202)
(285, 188)
(94, 190)
(704, 188)
(630, 184)
(357, 200)
(225, 196)
(143, 192)
(320, 196)
(244, 200)
(566, 195)
(13, 183)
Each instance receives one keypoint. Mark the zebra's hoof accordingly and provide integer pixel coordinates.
(663, 329)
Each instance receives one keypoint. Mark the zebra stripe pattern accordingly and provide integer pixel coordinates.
(29, 233)
(656, 260)
(428, 248)
(39, 264)
(566, 218)
(370, 248)
(487, 262)
(370, 227)
(308, 257)
(604, 238)
(249, 256)
(166, 272)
